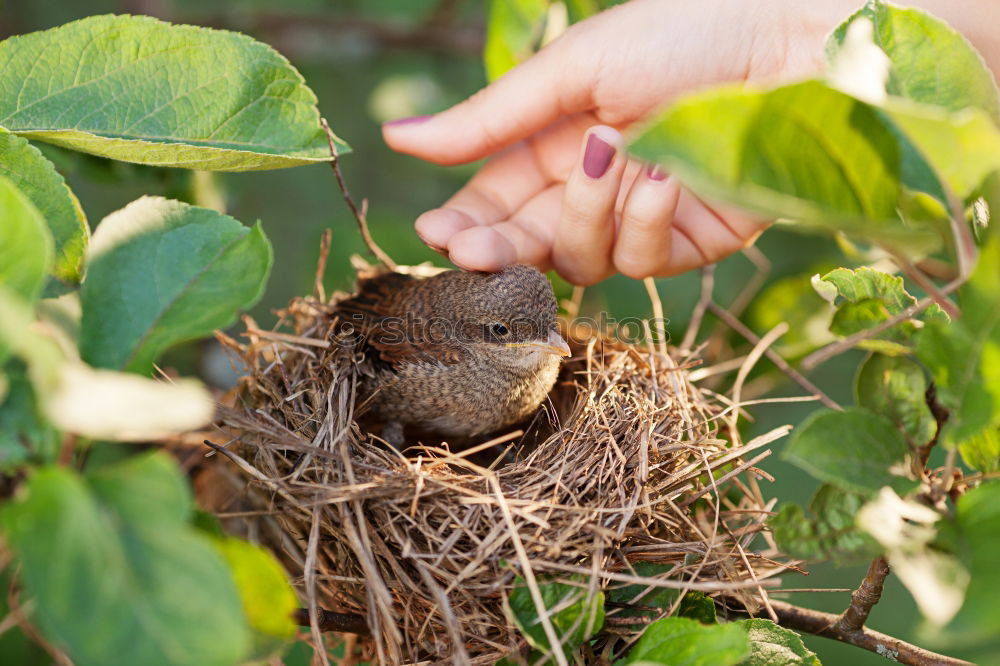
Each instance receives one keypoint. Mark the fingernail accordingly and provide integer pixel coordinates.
(597, 156)
(413, 120)
(654, 172)
(431, 245)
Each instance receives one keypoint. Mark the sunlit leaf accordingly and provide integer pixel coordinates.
(137, 89)
(38, 180)
(578, 614)
(828, 532)
(895, 387)
(771, 645)
(25, 243)
(160, 272)
(680, 641)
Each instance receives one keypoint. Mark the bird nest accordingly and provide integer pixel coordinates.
(626, 464)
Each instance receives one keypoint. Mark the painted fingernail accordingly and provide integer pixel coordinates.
(597, 156)
(413, 120)
(654, 172)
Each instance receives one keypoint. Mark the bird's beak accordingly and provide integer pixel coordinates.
(553, 345)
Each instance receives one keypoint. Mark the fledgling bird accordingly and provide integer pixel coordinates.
(460, 353)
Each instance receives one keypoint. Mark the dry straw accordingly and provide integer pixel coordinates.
(629, 462)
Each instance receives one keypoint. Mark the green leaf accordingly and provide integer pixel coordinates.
(793, 300)
(39, 181)
(771, 645)
(931, 62)
(803, 151)
(895, 387)
(828, 532)
(642, 601)
(869, 297)
(25, 435)
(268, 599)
(25, 243)
(159, 592)
(697, 606)
(679, 641)
(981, 451)
(513, 34)
(961, 147)
(978, 523)
(136, 89)
(964, 356)
(575, 615)
(160, 272)
(853, 449)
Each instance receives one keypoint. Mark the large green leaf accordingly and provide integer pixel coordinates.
(575, 614)
(804, 151)
(25, 243)
(931, 62)
(895, 387)
(161, 271)
(964, 356)
(159, 593)
(137, 89)
(771, 645)
(38, 179)
(854, 449)
(513, 33)
(828, 532)
(679, 641)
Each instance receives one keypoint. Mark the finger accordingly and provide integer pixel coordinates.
(529, 97)
(643, 245)
(582, 248)
(526, 238)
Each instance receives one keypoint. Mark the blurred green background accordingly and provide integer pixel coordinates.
(374, 60)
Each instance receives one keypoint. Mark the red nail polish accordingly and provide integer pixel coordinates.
(654, 172)
(413, 120)
(597, 156)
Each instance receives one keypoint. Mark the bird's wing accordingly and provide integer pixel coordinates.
(378, 313)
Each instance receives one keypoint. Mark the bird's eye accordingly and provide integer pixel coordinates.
(499, 330)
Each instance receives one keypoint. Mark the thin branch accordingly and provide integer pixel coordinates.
(941, 416)
(814, 622)
(707, 287)
(772, 355)
(865, 597)
(833, 349)
(324, 253)
(359, 213)
(343, 623)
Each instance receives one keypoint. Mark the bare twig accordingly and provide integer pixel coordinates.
(865, 597)
(941, 415)
(707, 287)
(772, 355)
(826, 625)
(358, 213)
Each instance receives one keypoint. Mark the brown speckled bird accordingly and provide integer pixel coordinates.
(459, 354)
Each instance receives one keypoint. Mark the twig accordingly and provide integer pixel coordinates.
(826, 625)
(833, 349)
(865, 597)
(324, 253)
(707, 287)
(344, 623)
(941, 416)
(358, 213)
(772, 355)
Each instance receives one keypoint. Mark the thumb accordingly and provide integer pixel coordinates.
(528, 98)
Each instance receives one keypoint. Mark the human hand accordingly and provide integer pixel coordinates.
(559, 190)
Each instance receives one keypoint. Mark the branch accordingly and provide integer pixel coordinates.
(359, 213)
(941, 416)
(865, 597)
(345, 623)
(827, 625)
(774, 357)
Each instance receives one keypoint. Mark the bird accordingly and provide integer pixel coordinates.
(457, 354)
